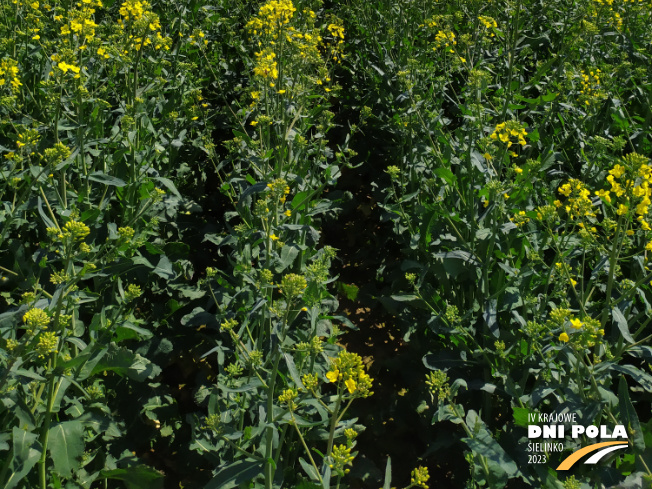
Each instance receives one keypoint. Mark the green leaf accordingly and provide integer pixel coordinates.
(304, 484)
(17, 406)
(106, 179)
(139, 477)
(128, 330)
(309, 469)
(521, 416)
(446, 413)
(446, 175)
(251, 385)
(27, 451)
(4, 438)
(628, 416)
(300, 201)
(484, 444)
(534, 135)
(500, 466)
(549, 97)
(125, 362)
(20, 372)
(48, 222)
(621, 322)
(87, 360)
(288, 254)
(66, 446)
(234, 474)
(164, 268)
(326, 476)
(643, 378)
(294, 373)
(490, 317)
(405, 298)
(457, 261)
(167, 183)
(60, 390)
(349, 290)
(388, 474)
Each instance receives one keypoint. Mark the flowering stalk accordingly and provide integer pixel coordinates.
(45, 429)
(270, 466)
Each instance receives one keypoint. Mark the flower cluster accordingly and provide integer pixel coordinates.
(126, 232)
(266, 65)
(444, 39)
(133, 10)
(293, 285)
(350, 434)
(509, 132)
(272, 17)
(74, 230)
(143, 26)
(80, 22)
(9, 74)
(578, 203)
(36, 318)
(591, 91)
(133, 292)
(287, 399)
(28, 139)
(631, 188)
(279, 190)
(336, 31)
(420, 477)
(348, 368)
(228, 325)
(489, 23)
(47, 343)
(310, 381)
(214, 423)
(437, 383)
(56, 154)
(341, 458)
(520, 219)
(66, 67)
(585, 332)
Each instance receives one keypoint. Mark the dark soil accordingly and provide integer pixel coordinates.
(394, 429)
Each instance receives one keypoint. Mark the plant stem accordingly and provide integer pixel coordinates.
(303, 442)
(45, 429)
(269, 467)
(334, 419)
(610, 282)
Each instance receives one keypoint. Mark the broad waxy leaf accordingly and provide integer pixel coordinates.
(138, 477)
(66, 446)
(233, 474)
(27, 451)
(106, 179)
(628, 416)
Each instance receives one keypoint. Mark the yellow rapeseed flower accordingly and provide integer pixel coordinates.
(333, 375)
(36, 318)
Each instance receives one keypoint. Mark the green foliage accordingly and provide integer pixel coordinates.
(516, 165)
(167, 287)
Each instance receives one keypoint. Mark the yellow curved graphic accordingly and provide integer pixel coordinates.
(575, 456)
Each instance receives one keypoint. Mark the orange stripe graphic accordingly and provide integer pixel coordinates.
(575, 456)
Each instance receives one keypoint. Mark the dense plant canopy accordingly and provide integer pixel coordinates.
(298, 243)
